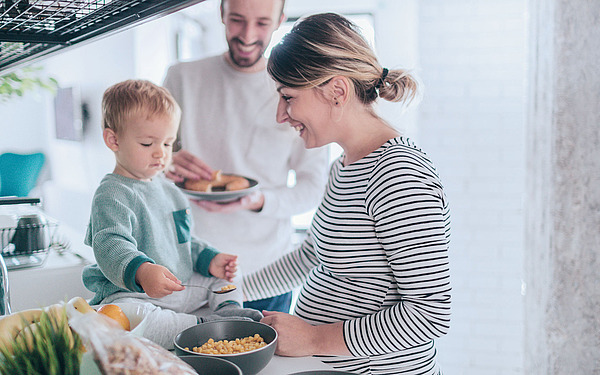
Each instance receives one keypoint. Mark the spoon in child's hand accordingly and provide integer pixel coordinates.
(223, 290)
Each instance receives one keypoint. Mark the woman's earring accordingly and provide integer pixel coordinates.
(336, 102)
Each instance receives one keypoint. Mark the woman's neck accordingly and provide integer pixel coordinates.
(365, 137)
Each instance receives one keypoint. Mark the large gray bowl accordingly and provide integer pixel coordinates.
(211, 365)
(249, 362)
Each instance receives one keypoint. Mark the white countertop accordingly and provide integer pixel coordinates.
(289, 365)
(277, 366)
(60, 278)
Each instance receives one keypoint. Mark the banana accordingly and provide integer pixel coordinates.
(58, 317)
(80, 305)
(15, 324)
(27, 334)
(12, 324)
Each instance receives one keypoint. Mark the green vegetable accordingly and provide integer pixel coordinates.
(47, 347)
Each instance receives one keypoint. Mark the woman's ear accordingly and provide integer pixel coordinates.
(110, 139)
(339, 90)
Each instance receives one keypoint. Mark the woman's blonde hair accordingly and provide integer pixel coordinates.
(135, 97)
(322, 46)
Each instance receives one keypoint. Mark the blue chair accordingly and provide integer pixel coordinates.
(19, 173)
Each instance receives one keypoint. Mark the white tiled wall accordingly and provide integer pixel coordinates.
(471, 122)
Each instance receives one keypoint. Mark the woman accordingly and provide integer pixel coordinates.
(374, 266)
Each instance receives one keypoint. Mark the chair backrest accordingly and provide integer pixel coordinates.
(19, 173)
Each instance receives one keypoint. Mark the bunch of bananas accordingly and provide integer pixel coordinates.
(41, 341)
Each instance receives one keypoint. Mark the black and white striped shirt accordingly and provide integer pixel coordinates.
(376, 257)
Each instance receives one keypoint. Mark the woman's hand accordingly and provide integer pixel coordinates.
(156, 280)
(252, 202)
(186, 165)
(223, 266)
(296, 338)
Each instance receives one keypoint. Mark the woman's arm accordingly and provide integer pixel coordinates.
(283, 275)
(411, 218)
(296, 338)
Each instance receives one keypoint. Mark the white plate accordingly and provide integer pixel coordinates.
(222, 196)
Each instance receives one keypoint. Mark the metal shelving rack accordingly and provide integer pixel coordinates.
(31, 29)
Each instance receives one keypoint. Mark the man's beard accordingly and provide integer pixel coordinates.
(243, 62)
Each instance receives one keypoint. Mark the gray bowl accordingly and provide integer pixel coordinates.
(211, 365)
(249, 362)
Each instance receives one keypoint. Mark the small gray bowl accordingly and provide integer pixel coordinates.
(249, 362)
(211, 365)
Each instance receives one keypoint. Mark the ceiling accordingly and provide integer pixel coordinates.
(32, 29)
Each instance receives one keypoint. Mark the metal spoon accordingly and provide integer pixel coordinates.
(230, 288)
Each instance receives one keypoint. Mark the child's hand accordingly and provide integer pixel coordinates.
(157, 281)
(223, 266)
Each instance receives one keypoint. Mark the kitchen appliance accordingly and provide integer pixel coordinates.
(26, 243)
(25, 238)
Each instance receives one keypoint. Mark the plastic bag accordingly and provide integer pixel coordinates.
(119, 352)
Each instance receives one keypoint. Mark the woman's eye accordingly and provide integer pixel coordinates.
(286, 98)
(168, 145)
(146, 144)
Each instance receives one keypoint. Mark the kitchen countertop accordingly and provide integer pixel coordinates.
(66, 269)
(277, 366)
(289, 365)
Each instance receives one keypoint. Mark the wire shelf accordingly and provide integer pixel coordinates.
(30, 29)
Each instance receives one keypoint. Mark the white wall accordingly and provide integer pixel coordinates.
(471, 122)
(74, 168)
(470, 55)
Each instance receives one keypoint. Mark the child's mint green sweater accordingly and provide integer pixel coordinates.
(133, 222)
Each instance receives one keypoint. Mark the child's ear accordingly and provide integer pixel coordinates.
(110, 139)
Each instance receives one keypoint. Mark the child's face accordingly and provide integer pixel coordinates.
(144, 146)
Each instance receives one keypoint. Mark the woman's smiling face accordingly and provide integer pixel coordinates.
(307, 111)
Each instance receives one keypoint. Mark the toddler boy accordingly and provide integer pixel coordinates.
(140, 225)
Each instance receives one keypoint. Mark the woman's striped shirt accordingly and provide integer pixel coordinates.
(376, 257)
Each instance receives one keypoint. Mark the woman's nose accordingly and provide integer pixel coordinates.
(282, 115)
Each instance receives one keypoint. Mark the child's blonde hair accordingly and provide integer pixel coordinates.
(136, 97)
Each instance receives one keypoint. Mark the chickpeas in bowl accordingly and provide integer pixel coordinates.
(261, 340)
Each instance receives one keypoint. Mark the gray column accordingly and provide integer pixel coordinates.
(562, 266)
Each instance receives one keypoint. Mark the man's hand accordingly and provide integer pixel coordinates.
(157, 281)
(252, 202)
(186, 165)
(223, 266)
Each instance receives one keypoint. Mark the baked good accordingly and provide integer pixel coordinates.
(198, 185)
(219, 182)
(233, 182)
